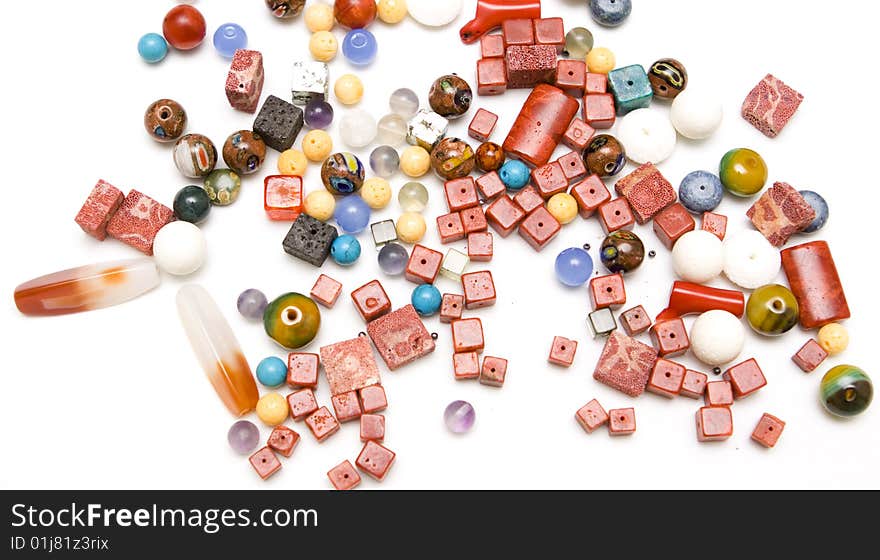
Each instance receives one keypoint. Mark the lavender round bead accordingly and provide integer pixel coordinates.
(393, 258)
(252, 303)
(318, 114)
(459, 417)
(243, 437)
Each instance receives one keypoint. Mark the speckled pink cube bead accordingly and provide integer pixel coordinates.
(138, 220)
(625, 364)
(451, 307)
(467, 335)
(494, 371)
(326, 290)
(768, 430)
(562, 351)
(746, 378)
(591, 416)
(302, 404)
(622, 421)
(714, 423)
(718, 393)
(283, 440)
(372, 427)
(466, 365)
(265, 462)
(371, 300)
(99, 207)
(344, 476)
(810, 356)
(647, 191)
(373, 399)
(302, 369)
(666, 378)
(375, 460)
(770, 105)
(635, 321)
(346, 406)
(780, 213)
(694, 385)
(244, 83)
(322, 424)
(350, 365)
(400, 338)
(479, 289)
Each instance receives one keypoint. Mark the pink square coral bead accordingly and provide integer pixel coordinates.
(666, 378)
(372, 427)
(479, 289)
(694, 385)
(326, 290)
(607, 291)
(625, 364)
(344, 476)
(283, 440)
(346, 406)
(770, 105)
(562, 351)
(591, 416)
(810, 356)
(466, 365)
(622, 421)
(714, 423)
(375, 460)
(746, 378)
(138, 220)
(494, 371)
(768, 430)
(265, 463)
(400, 338)
(373, 399)
(99, 207)
(451, 307)
(244, 83)
(322, 424)
(467, 335)
(302, 404)
(302, 369)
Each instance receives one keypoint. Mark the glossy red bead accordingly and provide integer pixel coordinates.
(671, 223)
(590, 194)
(539, 228)
(670, 338)
(371, 301)
(423, 265)
(607, 291)
(184, 27)
(615, 215)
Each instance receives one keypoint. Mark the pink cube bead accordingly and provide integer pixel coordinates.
(466, 365)
(372, 427)
(400, 338)
(714, 423)
(479, 289)
(302, 404)
(666, 378)
(768, 430)
(99, 207)
(694, 385)
(346, 406)
(322, 424)
(326, 291)
(451, 307)
(265, 462)
(375, 460)
(770, 105)
(373, 399)
(562, 351)
(350, 365)
(622, 421)
(591, 416)
(244, 83)
(302, 369)
(344, 476)
(493, 372)
(138, 220)
(746, 378)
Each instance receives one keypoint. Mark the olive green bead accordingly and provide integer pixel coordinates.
(846, 391)
(772, 310)
(743, 172)
(292, 320)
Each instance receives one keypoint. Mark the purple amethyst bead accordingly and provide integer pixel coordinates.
(459, 417)
(318, 114)
(252, 303)
(243, 437)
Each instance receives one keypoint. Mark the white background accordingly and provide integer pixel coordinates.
(115, 398)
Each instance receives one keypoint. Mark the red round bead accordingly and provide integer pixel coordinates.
(354, 14)
(184, 27)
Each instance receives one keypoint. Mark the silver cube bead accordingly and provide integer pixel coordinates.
(426, 129)
(311, 80)
(602, 322)
(384, 232)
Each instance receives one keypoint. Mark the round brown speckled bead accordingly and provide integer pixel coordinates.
(285, 9)
(450, 96)
(452, 158)
(604, 156)
(490, 157)
(244, 152)
(668, 78)
(165, 120)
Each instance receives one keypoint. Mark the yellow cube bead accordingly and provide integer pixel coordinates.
(600, 60)
(563, 207)
(415, 161)
(833, 338)
(411, 227)
(319, 17)
(392, 11)
(317, 145)
(319, 205)
(349, 89)
(376, 192)
(292, 162)
(323, 46)
(272, 409)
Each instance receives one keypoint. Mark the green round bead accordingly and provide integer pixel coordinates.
(292, 320)
(846, 391)
(622, 251)
(223, 186)
(192, 204)
(578, 43)
(772, 310)
(743, 172)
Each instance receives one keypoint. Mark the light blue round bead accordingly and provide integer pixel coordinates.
(610, 13)
(152, 47)
(819, 205)
(272, 371)
(228, 38)
(574, 267)
(426, 299)
(514, 174)
(701, 191)
(345, 250)
(393, 259)
(359, 47)
(352, 214)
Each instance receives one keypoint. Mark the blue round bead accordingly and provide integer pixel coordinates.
(359, 47)
(610, 13)
(272, 371)
(228, 38)
(426, 299)
(819, 205)
(701, 191)
(152, 47)
(352, 214)
(393, 259)
(345, 250)
(514, 174)
(574, 267)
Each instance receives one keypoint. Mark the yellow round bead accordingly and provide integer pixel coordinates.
(411, 227)
(348, 89)
(563, 207)
(415, 161)
(272, 409)
(317, 145)
(319, 17)
(600, 60)
(833, 338)
(323, 46)
(292, 162)
(376, 192)
(392, 11)
(320, 205)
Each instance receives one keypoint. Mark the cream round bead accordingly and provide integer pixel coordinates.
(319, 205)
(349, 89)
(272, 409)
(411, 227)
(698, 257)
(563, 207)
(317, 145)
(323, 46)
(179, 248)
(749, 260)
(415, 161)
(293, 162)
(600, 60)
(647, 135)
(391, 11)
(695, 114)
(717, 337)
(319, 17)
(833, 338)
(376, 192)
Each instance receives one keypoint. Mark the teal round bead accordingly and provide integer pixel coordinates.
(426, 299)
(152, 47)
(514, 174)
(272, 371)
(345, 250)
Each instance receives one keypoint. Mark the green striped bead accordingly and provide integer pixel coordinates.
(846, 391)
(772, 310)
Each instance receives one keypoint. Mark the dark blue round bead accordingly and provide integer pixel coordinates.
(701, 191)
(819, 205)
(610, 13)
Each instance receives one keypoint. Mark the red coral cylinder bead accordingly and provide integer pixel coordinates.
(543, 120)
(815, 284)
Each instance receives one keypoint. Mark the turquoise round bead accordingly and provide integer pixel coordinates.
(152, 47)
(272, 371)
(514, 174)
(426, 299)
(345, 250)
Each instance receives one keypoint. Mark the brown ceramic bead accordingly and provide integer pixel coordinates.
(283, 440)
(302, 404)
(599, 110)
(322, 424)
(591, 416)
(590, 194)
(635, 321)
(451, 307)
(671, 223)
(480, 246)
(528, 199)
(372, 427)
(668, 78)
(694, 385)
(165, 120)
(344, 476)
(460, 194)
(490, 186)
(746, 378)
(550, 31)
(354, 14)
(615, 215)
(625, 364)
(474, 220)
(541, 122)
(571, 77)
(346, 406)
(714, 423)
(607, 291)
(452, 158)
(423, 265)
(539, 228)
(326, 290)
(450, 228)
(718, 393)
(467, 335)
(666, 378)
(596, 83)
(622, 421)
(400, 338)
(490, 157)
(780, 213)
(302, 369)
(482, 125)
(670, 338)
(768, 430)
(493, 372)
(375, 459)
(479, 289)
(450, 96)
(244, 152)
(815, 284)
(578, 135)
(715, 224)
(373, 399)
(604, 156)
(518, 32)
(647, 191)
(562, 351)
(810, 356)
(549, 179)
(371, 300)
(572, 166)
(491, 76)
(530, 65)
(265, 463)
(492, 46)
(504, 216)
(466, 365)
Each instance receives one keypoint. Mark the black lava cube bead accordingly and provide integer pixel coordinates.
(278, 123)
(310, 239)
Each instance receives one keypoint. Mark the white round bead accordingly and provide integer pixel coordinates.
(358, 128)
(697, 257)
(749, 260)
(434, 13)
(179, 248)
(647, 136)
(695, 114)
(717, 337)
